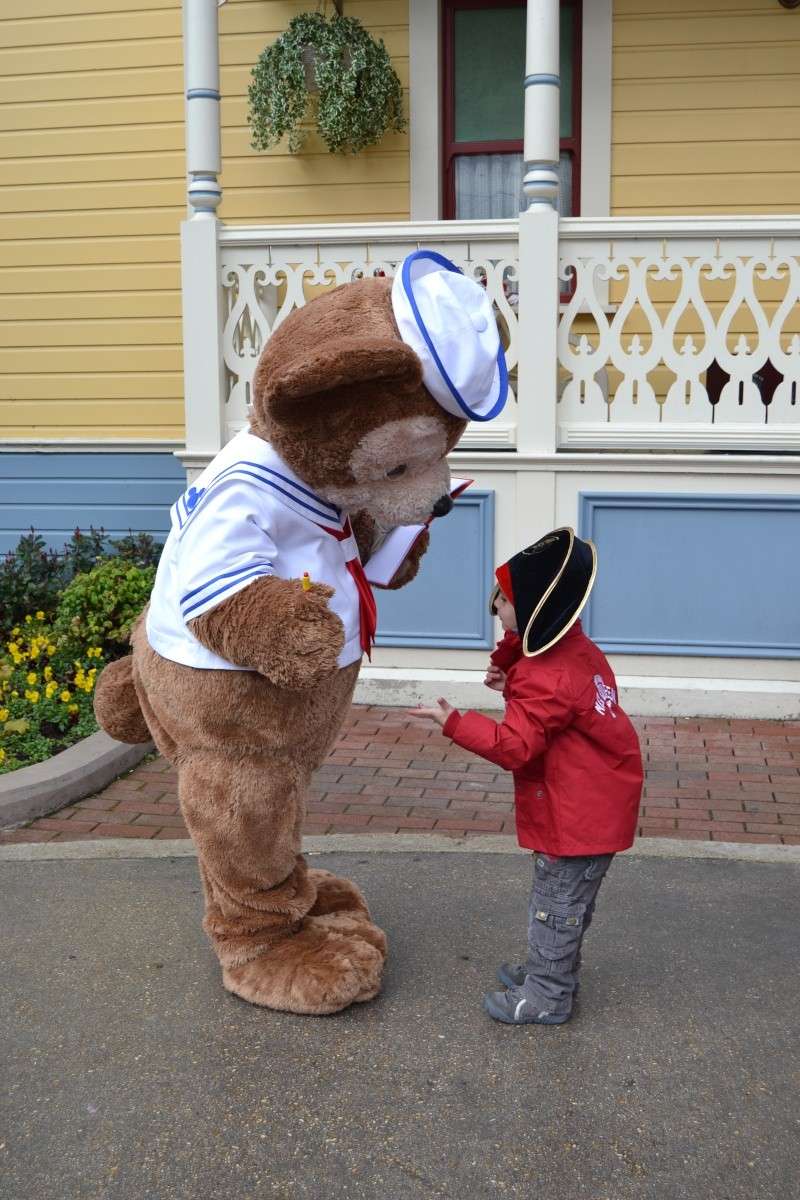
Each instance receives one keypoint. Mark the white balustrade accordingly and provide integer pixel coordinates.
(655, 303)
(267, 273)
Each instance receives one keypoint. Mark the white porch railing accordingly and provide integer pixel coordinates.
(265, 274)
(655, 304)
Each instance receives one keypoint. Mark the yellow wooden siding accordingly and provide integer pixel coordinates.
(706, 107)
(92, 193)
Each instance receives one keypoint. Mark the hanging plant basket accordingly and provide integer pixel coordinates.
(331, 70)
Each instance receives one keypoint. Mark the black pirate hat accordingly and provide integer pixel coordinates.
(548, 583)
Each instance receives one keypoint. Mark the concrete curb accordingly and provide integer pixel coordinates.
(397, 843)
(76, 772)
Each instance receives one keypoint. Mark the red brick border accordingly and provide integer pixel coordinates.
(732, 781)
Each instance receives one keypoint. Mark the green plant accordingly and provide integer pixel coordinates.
(139, 548)
(359, 95)
(46, 687)
(30, 579)
(99, 608)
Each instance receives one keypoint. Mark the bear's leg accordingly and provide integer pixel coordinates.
(243, 812)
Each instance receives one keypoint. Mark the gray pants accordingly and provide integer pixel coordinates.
(560, 911)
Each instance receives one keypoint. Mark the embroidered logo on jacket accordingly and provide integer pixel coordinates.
(606, 697)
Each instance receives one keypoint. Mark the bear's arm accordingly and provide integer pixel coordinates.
(365, 532)
(276, 628)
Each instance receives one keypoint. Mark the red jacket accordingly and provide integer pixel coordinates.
(573, 752)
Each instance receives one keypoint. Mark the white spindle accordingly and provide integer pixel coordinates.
(542, 83)
(538, 235)
(203, 367)
(201, 73)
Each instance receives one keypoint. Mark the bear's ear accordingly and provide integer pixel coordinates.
(286, 391)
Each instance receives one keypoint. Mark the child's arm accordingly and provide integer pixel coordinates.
(522, 736)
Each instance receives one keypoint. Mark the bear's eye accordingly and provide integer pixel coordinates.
(396, 472)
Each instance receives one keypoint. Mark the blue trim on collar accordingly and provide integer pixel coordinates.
(502, 395)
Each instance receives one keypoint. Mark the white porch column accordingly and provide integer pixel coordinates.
(203, 367)
(538, 234)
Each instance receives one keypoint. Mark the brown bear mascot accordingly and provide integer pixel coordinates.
(243, 666)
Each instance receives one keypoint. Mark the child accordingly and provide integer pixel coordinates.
(574, 756)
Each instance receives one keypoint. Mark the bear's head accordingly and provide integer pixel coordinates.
(340, 396)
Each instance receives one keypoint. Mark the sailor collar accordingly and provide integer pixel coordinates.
(262, 467)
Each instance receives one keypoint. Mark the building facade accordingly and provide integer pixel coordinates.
(651, 324)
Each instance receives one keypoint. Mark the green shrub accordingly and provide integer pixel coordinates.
(33, 577)
(45, 692)
(98, 608)
(30, 579)
(139, 548)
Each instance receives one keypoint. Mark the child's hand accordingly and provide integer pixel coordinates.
(495, 678)
(439, 715)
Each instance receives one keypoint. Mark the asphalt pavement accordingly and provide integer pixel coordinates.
(129, 1073)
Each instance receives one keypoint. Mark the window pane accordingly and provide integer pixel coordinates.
(490, 186)
(489, 63)
(489, 72)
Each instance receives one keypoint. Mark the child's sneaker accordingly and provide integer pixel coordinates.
(514, 1009)
(513, 975)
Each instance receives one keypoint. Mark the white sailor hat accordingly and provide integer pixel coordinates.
(447, 319)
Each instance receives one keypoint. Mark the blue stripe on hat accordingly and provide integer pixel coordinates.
(434, 256)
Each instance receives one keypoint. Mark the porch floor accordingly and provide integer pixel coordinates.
(728, 781)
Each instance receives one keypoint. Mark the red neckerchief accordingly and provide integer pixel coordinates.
(367, 608)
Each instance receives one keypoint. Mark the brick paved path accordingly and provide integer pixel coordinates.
(731, 781)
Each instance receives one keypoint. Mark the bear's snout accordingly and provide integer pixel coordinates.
(442, 506)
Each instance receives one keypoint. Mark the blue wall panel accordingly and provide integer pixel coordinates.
(446, 605)
(55, 492)
(695, 574)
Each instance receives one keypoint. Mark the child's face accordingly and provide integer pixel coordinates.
(505, 611)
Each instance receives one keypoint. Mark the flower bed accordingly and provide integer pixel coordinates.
(50, 656)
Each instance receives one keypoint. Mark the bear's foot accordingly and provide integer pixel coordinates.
(327, 965)
(340, 907)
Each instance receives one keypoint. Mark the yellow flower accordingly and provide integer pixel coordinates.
(32, 677)
(15, 631)
(40, 616)
(51, 689)
(48, 673)
(3, 714)
(2, 755)
(66, 696)
(15, 695)
(72, 708)
(51, 649)
(33, 696)
(28, 619)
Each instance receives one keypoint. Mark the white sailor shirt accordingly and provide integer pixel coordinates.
(247, 515)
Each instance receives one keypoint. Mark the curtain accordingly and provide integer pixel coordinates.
(490, 186)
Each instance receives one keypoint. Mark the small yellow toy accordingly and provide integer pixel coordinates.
(306, 581)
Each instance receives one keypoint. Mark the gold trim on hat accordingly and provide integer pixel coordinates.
(533, 653)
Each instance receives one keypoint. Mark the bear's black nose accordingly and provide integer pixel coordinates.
(442, 506)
